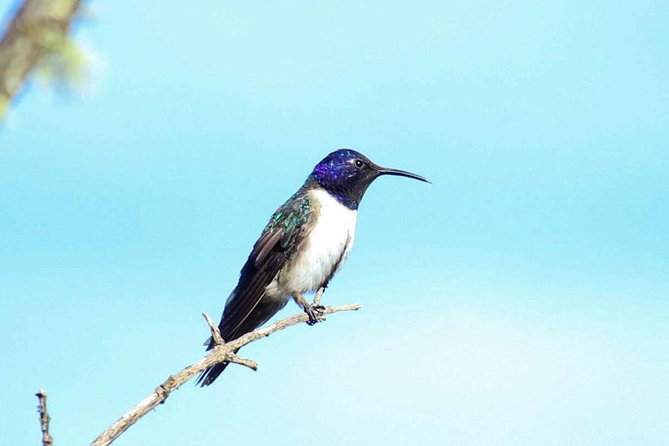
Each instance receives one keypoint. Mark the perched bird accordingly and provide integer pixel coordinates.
(304, 244)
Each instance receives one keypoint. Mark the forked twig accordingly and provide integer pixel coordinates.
(222, 352)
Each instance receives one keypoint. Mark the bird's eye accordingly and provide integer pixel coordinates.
(358, 164)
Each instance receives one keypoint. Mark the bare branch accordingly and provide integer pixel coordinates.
(215, 332)
(44, 418)
(245, 362)
(219, 354)
(38, 28)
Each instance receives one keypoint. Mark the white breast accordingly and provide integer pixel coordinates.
(326, 246)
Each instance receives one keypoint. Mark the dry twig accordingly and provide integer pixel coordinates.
(47, 439)
(215, 332)
(222, 352)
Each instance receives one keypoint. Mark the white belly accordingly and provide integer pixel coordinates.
(325, 248)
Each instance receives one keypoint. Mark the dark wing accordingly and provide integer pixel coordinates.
(239, 316)
(244, 310)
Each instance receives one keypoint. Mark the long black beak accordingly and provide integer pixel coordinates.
(400, 173)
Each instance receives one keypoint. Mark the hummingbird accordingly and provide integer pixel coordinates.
(304, 244)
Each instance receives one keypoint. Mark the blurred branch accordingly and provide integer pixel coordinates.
(38, 29)
(222, 352)
(44, 418)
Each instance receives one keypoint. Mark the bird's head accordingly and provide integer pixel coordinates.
(346, 174)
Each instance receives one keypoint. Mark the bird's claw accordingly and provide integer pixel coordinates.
(315, 313)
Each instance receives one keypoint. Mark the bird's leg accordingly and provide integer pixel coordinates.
(318, 296)
(316, 306)
(315, 312)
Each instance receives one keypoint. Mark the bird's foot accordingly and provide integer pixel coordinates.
(315, 313)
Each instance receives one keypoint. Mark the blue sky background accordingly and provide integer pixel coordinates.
(520, 299)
